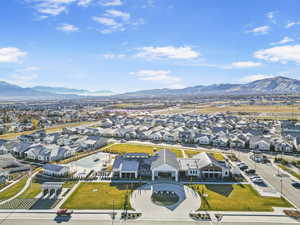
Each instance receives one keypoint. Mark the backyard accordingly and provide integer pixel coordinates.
(99, 196)
(236, 197)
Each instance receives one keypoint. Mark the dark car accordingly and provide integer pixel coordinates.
(296, 184)
(250, 171)
(244, 167)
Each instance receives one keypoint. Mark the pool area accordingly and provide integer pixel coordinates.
(96, 162)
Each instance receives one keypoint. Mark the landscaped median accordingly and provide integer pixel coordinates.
(100, 196)
(32, 191)
(13, 190)
(290, 171)
(236, 197)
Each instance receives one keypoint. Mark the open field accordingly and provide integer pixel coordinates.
(137, 148)
(236, 197)
(13, 190)
(99, 196)
(250, 109)
(191, 153)
(48, 130)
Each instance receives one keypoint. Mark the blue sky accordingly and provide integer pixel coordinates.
(128, 45)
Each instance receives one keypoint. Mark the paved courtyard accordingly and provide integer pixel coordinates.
(188, 201)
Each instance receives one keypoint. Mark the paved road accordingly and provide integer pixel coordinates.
(97, 222)
(268, 172)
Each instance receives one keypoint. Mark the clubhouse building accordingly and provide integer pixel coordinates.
(164, 165)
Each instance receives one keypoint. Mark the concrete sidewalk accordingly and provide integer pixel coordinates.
(23, 189)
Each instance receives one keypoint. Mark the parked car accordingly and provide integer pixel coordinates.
(296, 184)
(258, 180)
(250, 171)
(254, 177)
(244, 167)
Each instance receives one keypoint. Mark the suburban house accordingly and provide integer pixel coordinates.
(56, 170)
(164, 165)
(259, 143)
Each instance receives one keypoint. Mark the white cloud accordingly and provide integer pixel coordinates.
(113, 56)
(111, 3)
(111, 23)
(116, 13)
(271, 17)
(260, 30)
(50, 7)
(30, 68)
(84, 3)
(282, 54)
(291, 24)
(55, 7)
(170, 52)
(24, 76)
(11, 54)
(245, 64)
(285, 40)
(67, 28)
(161, 76)
(252, 78)
(115, 20)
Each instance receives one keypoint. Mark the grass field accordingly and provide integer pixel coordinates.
(99, 196)
(32, 191)
(236, 197)
(136, 148)
(250, 109)
(69, 184)
(217, 155)
(48, 130)
(13, 190)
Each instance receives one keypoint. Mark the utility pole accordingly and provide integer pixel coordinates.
(281, 185)
(113, 216)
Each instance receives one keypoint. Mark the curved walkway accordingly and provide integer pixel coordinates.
(22, 190)
(188, 201)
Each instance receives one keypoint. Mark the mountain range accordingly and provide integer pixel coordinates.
(64, 91)
(279, 85)
(11, 91)
(275, 85)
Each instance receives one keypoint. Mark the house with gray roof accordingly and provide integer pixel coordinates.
(55, 170)
(165, 166)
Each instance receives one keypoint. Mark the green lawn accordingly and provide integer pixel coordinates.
(99, 196)
(136, 148)
(32, 191)
(217, 155)
(237, 197)
(13, 190)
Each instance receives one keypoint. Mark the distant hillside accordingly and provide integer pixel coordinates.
(13, 91)
(265, 86)
(62, 90)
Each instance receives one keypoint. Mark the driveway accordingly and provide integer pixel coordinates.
(188, 201)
